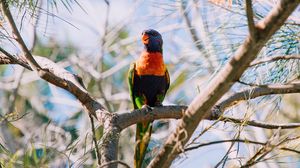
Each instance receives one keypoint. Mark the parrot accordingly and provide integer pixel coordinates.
(148, 81)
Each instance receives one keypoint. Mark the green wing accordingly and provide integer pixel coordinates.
(131, 76)
(138, 101)
(143, 130)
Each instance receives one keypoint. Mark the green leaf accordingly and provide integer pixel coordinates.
(12, 161)
(16, 132)
(99, 133)
(178, 82)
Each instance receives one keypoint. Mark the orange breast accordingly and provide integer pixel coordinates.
(150, 64)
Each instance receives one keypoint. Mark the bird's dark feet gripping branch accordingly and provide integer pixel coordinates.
(148, 80)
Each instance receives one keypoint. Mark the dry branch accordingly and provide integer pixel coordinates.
(8, 17)
(250, 19)
(246, 141)
(118, 122)
(61, 78)
(200, 106)
(199, 109)
(273, 142)
(259, 91)
(124, 120)
(260, 124)
(197, 41)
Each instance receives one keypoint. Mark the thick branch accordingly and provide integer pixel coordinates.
(8, 17)
(109, 144)
(52, 73)
(259, 91)
(201, 105)
(48, 70)
(60, 77)
(142, 115)
(124, 120)
(6, 58)
(250, 19)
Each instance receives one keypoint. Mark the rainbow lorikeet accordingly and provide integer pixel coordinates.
(149, 81)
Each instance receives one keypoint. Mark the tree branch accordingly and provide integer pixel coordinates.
(201, 105)
(223, 141)
(8, 17)
(114, 162)
(236, 140)
(72, 83)
(124, 120)
(250, 19)
(258, 91)
(6, 58)
(273, 142)
(95, 140)
(276, 58)
(198, 42)
(260, 124)
(64, 79)
(49, 71)
(176, 112)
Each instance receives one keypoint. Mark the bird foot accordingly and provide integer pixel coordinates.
(147, 107)
(158, 104)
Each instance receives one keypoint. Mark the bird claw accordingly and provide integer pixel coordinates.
(158, 104)
(147, 107)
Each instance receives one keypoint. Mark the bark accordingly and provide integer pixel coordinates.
(125, 120)
(114, 123)
(200, 106)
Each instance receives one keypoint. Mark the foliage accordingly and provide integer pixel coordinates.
(47, 125)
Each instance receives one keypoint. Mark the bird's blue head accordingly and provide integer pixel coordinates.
(152, 40)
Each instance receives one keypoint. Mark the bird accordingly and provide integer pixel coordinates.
(148, 81)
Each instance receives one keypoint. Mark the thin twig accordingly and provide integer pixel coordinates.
(269, 146)
(246, 141)
(197, 41)
(203, 132)
(100, 63)
(95, 140)
(260, 124)
(13, 96)
(290, 150)
(35, 24)
(275, 58)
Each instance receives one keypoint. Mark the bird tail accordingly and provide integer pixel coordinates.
(143, 134)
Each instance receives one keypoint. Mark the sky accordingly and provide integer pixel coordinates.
(85, 29)
(85, 32)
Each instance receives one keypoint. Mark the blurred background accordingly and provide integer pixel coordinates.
(45, 126)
